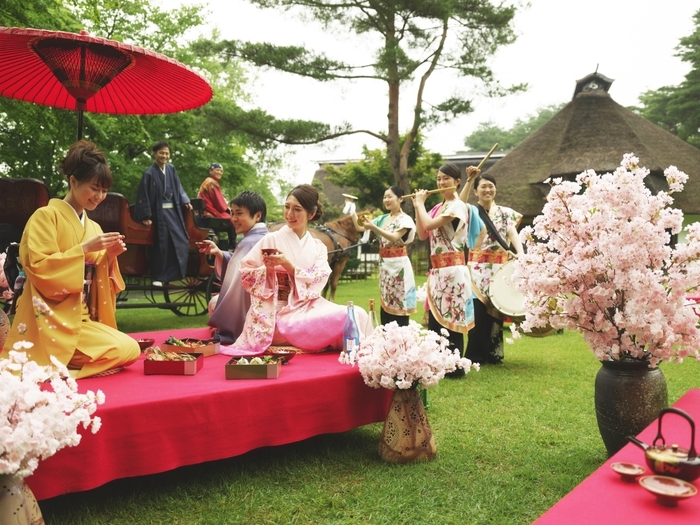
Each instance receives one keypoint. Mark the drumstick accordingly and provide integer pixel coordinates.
(487, 156)
(431, 192)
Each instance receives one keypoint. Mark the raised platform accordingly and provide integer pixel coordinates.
(152, 424)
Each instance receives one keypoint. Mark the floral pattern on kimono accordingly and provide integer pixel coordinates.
(449, 289)
(397, 285)
(305, 319)
(483, 272)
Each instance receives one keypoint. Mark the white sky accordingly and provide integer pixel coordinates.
(559, 42)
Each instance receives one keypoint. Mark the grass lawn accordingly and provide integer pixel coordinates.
(512, 440)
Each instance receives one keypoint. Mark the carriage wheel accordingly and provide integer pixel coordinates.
(192, 292)
(213, 286)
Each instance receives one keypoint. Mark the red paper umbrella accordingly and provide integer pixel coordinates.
(86, 73)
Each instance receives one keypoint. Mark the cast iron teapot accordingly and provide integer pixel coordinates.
(671, 460)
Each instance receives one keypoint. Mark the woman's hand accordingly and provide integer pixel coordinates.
(421, 196)
(472, 173)
(271, 260)
(112, 242)
(365, 221)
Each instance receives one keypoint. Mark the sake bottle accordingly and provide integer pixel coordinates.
(351, 333)
(372, 315)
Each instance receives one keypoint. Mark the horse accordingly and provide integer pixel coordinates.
(338, 236)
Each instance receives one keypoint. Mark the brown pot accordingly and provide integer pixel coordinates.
(407, 436)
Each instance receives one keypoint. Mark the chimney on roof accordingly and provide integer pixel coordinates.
(595, 82)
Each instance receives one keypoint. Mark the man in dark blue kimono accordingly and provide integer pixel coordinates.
(159, 201)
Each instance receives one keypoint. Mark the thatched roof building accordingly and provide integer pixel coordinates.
(592, 132)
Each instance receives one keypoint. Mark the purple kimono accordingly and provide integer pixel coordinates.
(233, 301)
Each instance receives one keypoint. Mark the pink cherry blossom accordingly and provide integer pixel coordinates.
(403, 357)
(599, 260)
(40, 411)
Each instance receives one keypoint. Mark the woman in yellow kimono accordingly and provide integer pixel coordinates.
(67, 307)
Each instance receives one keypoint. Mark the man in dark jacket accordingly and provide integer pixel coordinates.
(159, 201)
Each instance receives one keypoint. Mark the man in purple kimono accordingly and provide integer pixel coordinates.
(228, 310)
(159, 201)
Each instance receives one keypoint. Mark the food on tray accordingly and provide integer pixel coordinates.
(186, 344)
(264, 360)
(156, 354)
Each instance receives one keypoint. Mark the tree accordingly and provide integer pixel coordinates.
(416, 38)
(371, 176)
(675, 108)
(488, 134)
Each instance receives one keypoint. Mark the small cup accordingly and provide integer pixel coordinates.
(628, 471)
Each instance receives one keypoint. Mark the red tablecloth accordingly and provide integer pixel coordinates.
(153, 424)
(603, 498)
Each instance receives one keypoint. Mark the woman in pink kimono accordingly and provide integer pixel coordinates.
(285, 274)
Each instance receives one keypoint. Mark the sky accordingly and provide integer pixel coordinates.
(559, 42)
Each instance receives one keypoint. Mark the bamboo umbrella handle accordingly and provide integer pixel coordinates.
(431, 192)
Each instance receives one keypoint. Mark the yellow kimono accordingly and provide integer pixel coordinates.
(51, 312)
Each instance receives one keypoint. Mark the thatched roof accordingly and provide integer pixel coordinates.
(593, 132)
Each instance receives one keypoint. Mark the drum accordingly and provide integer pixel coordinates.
(503, 294)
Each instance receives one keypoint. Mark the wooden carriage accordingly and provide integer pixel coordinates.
(189, 296)
(19, 198)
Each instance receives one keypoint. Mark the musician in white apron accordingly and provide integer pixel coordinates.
(493, 249)
(394, 230)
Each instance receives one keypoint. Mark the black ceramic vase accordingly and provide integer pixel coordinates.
(628, 397)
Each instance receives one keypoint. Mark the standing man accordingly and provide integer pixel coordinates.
(210, 191)
(159, 201)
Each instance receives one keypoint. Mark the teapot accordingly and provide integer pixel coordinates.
(671, 460)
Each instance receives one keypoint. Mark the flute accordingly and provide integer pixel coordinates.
(431, 192)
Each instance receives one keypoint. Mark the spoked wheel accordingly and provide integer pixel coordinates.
(213, 286)
(191, 294)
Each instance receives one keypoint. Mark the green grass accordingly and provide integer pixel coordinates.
(512, 440)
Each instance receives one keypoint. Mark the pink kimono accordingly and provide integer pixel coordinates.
(290, 310)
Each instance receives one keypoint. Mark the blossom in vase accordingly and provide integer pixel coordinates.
(599, 260)
(40, 410)
(403, 357)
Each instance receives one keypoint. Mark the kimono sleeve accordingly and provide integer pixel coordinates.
(184, 199)
(142, 207)
(309, 280)
(54, 273)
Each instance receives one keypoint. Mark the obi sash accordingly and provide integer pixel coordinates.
(393, 251)
(443, 260)
(488, 256)
(282, 286)
(87, 280)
